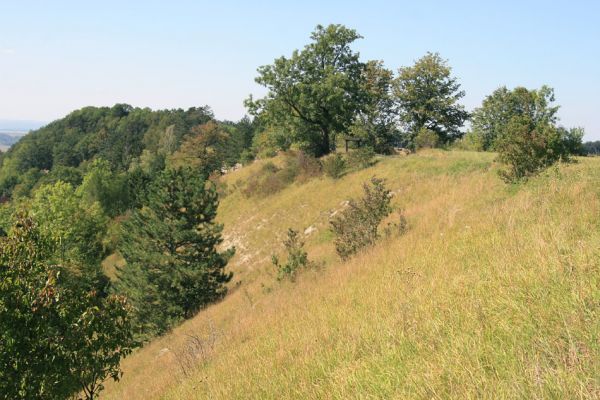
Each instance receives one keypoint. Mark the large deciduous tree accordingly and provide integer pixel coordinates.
(376, 122)
(427, 97)
(500, 107)
(314, 94)
(170, 245)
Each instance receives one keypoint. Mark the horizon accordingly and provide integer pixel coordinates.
(56, 58)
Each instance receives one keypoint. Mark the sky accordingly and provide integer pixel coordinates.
(58, 56)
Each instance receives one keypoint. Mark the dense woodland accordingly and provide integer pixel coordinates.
(144, 183)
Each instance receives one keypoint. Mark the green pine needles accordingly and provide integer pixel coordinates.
(170, 245)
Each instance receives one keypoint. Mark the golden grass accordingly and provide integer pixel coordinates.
(494, 292)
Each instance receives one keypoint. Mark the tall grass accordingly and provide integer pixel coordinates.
(493, 292)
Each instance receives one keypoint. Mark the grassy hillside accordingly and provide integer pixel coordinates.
(494, 292)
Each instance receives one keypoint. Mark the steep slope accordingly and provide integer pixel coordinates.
(494, 292)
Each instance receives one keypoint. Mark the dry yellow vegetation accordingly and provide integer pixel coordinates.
(493, 292)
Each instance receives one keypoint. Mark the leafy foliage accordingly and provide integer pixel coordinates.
(376, 122)
(56, 338)
(527, 147)
(204, 149)
(334, 165)
(315, 93)
(173, 267)
(77, 227)
(427, 97)
(426, 138)
(116, 134)
(297, 257)
(361, 158)
(356, 227)
(498, 109)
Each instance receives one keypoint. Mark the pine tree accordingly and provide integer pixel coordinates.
(170, 245)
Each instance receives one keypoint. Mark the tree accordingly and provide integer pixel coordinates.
(173, 266)
(205, 149)
(376, 123)
(56, 338)
(78, 230)
(100, 184)
(527, 147)
(427, 97)
(315, 93)
(498, 109)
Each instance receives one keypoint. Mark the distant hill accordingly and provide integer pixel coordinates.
(8, 138)
(12, 125)
(117, 134)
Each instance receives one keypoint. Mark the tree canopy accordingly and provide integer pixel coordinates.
(497, 110)
(427, 97)
(316, 93)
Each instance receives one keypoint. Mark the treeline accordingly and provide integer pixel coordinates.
(127, 138)
(325, 91)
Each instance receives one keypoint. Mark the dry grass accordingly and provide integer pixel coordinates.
(494, 292)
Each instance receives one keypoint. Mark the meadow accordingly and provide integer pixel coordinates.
(493, 292)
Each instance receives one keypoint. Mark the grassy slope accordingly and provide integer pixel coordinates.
(493, 293)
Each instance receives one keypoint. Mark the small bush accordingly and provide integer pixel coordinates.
(333, 165)
(308, 166)
(361, 158)
(426, 139)
(469, 142)
(356, 227)
(297, 257)
(246, 157)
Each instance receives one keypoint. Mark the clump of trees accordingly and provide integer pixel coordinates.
(325, 90)
(521, 125)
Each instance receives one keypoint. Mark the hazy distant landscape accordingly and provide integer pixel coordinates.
(8, 138)
(12, 130)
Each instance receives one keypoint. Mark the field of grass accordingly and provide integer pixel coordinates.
(493, 292)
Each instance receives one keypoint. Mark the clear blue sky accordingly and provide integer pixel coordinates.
(56, 56)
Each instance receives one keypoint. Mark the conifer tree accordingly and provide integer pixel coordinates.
(173, 267)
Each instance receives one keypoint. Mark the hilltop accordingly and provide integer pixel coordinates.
(491, 293)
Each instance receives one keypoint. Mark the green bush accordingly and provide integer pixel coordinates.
(297, 257)
(356, 227)
(426, 138)
(333, 165)
(470, 142)
(527, 148)
(361, 158)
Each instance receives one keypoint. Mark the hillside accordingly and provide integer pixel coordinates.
(494, 292)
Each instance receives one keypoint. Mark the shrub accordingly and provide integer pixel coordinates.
(361, 158)
(308, 166)
(297, 256)
(333, 165)
(356, 227)
(426, 138)
(246, 157)
(527, 148)
(470, 142)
